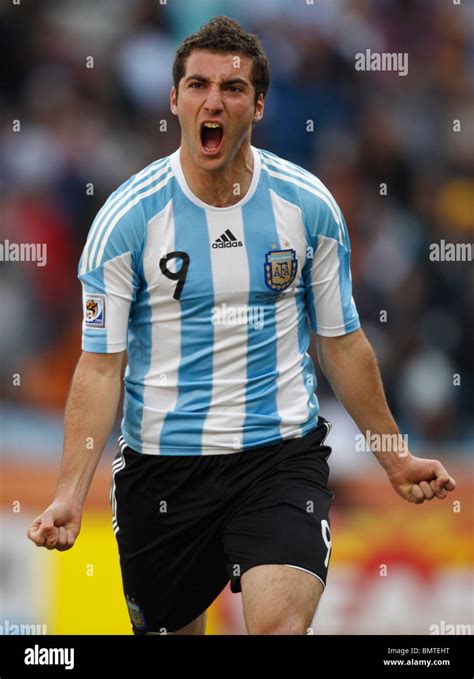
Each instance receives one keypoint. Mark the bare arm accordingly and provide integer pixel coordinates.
(89, 417)
(350, 365)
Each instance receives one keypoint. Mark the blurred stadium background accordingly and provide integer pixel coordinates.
(83, 127)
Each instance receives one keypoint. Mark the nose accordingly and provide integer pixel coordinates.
(213, 100)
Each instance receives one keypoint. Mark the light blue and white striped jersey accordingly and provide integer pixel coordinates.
(215, 305)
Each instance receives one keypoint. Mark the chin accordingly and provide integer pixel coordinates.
(210, 162)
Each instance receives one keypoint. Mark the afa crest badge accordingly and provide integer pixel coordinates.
(280, 269)
(94, 311)
(136, 614)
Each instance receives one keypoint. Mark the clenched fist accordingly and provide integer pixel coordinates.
(417, 480)
(57, 527)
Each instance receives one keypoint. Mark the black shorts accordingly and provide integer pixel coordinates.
(186, 525)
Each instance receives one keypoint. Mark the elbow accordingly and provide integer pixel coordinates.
(333, 351)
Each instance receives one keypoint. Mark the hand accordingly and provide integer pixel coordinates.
(417, 480)
(57, 527)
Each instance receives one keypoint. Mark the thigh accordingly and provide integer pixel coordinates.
(279, 599)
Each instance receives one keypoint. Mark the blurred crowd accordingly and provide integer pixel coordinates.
(85, 86)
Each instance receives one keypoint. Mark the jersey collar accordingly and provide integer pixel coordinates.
(179, 174)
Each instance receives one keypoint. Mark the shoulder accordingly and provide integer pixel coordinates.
(297, 185)
(141, 193)
(120, 224)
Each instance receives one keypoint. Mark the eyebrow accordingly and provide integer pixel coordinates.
(231, 81)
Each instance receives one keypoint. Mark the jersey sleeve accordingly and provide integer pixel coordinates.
(109, 273)
(327, 276)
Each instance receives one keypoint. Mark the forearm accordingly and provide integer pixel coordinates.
(351, 368)
(89, 417)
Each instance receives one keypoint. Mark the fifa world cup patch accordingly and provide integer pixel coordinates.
(280, 269)
(94, 311)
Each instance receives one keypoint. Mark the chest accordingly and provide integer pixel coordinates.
(238, 256)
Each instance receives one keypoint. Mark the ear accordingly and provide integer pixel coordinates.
(174, 101)
(259, 108)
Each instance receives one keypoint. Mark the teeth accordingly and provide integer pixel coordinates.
(213, 125)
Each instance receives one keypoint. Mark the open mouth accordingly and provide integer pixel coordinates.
(212, 136)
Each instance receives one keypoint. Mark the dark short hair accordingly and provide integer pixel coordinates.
(222, 34)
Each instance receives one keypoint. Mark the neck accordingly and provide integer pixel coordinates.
(218, 187)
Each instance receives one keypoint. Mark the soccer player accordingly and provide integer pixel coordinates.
(210, 268)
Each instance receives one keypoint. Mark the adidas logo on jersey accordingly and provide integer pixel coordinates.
(227, 240)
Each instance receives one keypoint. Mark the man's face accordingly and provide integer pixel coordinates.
(216, 89)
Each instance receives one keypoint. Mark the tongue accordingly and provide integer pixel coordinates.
(211, 137)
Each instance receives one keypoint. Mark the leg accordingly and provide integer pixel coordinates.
(196, 627)
(279, 599)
